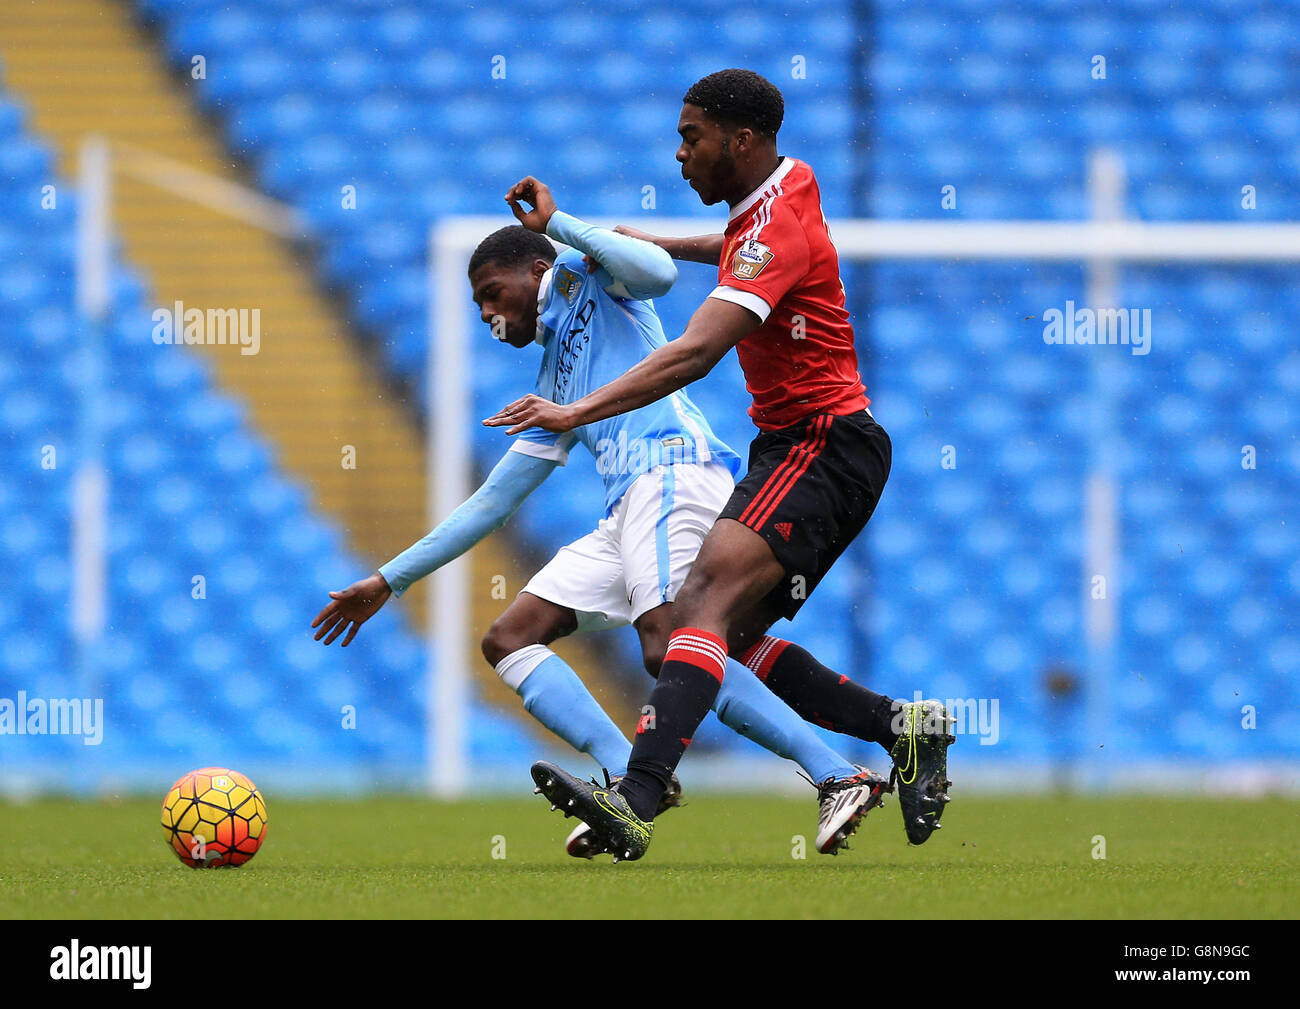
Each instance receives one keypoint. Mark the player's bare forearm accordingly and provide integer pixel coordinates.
(697, 249)
(673, 366)
(714, 329)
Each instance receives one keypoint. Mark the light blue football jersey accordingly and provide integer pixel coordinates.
(591, 337)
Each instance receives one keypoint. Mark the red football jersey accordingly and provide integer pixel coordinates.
(779, 262)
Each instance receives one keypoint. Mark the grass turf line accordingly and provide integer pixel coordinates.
(719, 857)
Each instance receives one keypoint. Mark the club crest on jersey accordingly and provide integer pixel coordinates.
(567, 282)
(750, 258)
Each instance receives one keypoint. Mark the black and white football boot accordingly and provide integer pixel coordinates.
(842, 803)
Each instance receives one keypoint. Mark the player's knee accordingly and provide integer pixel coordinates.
(653, 658)
(703, 575)
(654, 628)
(690, 606)
(502, 640)
(715, 595)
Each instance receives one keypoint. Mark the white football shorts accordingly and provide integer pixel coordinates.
(638, 557)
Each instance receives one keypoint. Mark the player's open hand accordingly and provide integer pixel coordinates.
(645, 236)
(351, 608)
(529, 190)
(533, 411)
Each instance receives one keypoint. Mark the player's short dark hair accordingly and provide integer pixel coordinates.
(512, 246)
(739, 98)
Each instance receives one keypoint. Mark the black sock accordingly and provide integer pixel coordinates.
(689, 679)
(820, 695)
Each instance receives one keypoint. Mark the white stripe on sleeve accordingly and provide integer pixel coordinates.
(745, 299)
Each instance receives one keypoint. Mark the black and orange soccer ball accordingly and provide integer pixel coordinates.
(214, 817)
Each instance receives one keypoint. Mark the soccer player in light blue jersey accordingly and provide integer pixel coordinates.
(666, 475)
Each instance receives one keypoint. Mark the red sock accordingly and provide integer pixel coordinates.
(689, 679)
(820, 695)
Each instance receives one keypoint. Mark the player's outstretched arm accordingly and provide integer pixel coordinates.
(515, 477)
(512, 479)
(696, 249)
(714, 329)
(634, 268)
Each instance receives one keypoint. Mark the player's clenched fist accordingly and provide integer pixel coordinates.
(533, 411)
(529, 190)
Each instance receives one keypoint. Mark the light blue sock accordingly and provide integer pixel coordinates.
(554, 695)
(746, 705)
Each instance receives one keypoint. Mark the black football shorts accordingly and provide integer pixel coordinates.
(810, 489)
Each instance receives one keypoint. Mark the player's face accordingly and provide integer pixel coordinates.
(705, 155)
(507, 297)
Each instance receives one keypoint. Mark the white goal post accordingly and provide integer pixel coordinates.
(99, 160)
(1101, 244)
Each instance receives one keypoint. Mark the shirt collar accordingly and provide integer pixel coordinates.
(782, 170)
(543, 290)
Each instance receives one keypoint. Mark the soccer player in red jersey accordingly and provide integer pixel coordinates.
(816, 469)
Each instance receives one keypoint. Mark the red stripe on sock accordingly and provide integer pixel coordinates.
(763, 654)
(701, 649)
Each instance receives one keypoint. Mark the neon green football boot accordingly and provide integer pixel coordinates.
(920, 773)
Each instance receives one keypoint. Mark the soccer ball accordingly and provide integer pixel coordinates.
(214, 817)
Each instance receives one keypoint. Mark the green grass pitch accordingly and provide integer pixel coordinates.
(718, 857)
